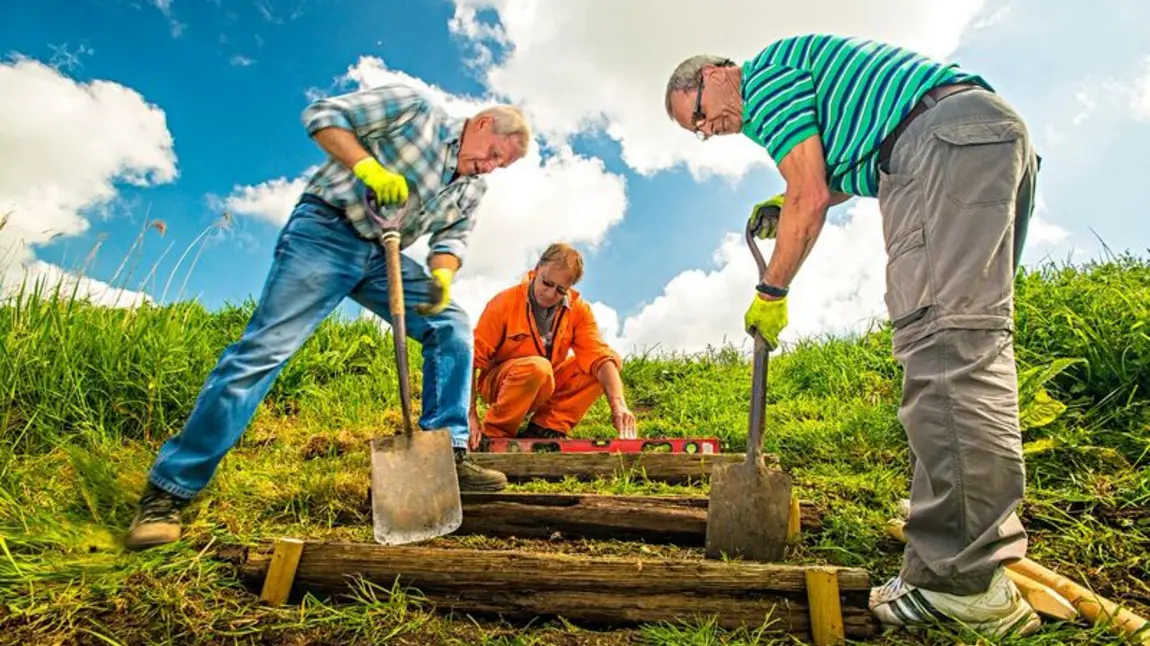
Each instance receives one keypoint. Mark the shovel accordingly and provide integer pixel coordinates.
(414, 488)
(749, 503)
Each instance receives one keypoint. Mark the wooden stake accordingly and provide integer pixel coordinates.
(281, 571)
(794, 520)
(825, 607)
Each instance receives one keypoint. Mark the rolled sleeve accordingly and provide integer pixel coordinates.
(381, 108)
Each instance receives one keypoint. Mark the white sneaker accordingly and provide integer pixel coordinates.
(996, 612)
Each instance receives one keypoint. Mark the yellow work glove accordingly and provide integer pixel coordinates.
(768, 318)
(389, 187)
(764, 220)
(440, 288)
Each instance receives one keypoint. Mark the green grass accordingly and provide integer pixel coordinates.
(87, 394)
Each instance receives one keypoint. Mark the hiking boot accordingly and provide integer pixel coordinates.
(536, 432)
(996, 612)
(473, 477)
(157, 520)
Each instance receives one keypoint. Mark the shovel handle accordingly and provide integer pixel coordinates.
(390, 242)
(759, 373)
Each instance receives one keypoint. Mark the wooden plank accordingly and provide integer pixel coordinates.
(610, 591)
(665, 520)
(281, 571)
(674, 468)
(825, 607)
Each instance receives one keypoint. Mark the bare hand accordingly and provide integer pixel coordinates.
(476, 431)
(623, 421)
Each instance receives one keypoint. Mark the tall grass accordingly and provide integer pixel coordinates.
(88, 392)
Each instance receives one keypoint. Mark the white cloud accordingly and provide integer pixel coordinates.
(1140, 100)
(838, 290)
(599, 63)
(65, 146)
(271, 201)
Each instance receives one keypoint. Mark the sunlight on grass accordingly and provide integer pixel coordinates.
(90, 392)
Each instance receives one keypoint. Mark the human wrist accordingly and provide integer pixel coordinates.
(773, 292)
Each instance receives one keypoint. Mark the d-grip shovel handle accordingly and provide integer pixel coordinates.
(759, 373)
(389, 240)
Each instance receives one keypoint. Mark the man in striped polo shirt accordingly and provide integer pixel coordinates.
(952, 167)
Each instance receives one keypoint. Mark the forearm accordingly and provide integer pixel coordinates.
(612, 382)
(798, 230)
(443, 260)
(342, 145)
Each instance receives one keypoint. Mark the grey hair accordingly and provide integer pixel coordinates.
(509, 120)
(687, 75)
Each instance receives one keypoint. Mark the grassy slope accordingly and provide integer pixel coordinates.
(87, 395)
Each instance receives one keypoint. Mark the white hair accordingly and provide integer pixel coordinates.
(688, 74)
(508, 121)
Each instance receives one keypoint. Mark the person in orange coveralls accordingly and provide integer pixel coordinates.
(538, 350)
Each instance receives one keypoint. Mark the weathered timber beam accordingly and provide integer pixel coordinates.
(675, 468)
(610, 591)
(669, 520)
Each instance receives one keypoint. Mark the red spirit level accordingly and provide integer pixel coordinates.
(539, 445)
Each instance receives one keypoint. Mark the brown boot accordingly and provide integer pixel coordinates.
(473, 477)
(157, 520)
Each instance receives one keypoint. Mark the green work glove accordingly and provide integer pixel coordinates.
(440, 292)
(389, 187)
(768, 318)
(764, 220)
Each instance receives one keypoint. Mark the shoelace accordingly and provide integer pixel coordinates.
(158, 506)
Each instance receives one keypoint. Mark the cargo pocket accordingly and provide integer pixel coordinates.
(908, 293)
(982, 161)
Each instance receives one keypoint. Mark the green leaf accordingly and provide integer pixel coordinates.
(1041, 410)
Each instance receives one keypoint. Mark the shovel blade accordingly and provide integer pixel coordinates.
(747, 512)
(414, 489)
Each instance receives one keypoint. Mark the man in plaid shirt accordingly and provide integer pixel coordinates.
(394, 140)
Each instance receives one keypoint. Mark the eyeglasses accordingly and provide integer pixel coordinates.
(552, 285)
(698, 117)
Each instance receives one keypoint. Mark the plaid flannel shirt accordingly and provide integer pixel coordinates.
(410, 135)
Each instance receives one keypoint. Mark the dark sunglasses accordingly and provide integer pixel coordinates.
(551, 285)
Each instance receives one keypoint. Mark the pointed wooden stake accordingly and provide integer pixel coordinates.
(281, 571)
(793, 520)
(825, 607)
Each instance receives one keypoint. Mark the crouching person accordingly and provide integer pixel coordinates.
(539, 355)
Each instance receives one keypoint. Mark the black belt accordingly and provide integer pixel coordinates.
(928, 101)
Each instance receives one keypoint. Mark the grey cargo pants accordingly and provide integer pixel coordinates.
(956, 196)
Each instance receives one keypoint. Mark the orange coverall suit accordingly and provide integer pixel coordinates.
(516, 379)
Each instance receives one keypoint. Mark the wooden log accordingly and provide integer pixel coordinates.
(674, 468)
(602, 591)
(666, 520)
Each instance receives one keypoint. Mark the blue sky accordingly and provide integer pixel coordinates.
(652, 208)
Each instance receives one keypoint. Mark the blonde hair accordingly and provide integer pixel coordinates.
(566, 255)
(508, 121)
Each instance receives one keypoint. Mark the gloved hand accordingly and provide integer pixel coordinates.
(764, 220)
(389, 187)
(440, 284)
(768, 318)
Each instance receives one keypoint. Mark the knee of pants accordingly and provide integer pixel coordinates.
(535, 372)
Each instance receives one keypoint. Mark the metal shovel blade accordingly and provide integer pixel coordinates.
(747, 512)
(415, 492)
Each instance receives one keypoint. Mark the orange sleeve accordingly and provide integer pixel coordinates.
(590, 349)
(489, 332)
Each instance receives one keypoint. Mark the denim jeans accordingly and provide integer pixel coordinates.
(318, 261)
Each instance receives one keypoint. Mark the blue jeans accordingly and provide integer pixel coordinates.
(318, 261)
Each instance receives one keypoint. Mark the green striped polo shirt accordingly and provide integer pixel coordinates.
(851, 92)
